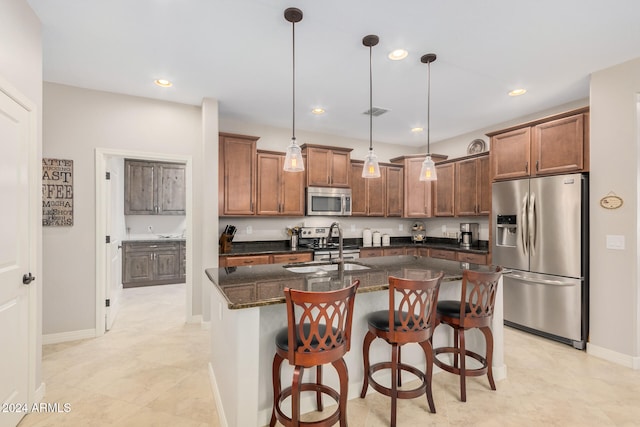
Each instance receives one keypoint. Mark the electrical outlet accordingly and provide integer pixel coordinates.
(249, 229)
(353, 227)
(400, 227)
(150, 228)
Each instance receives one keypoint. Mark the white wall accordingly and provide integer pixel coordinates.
(614, 167)
(76, 122)
(21, 67)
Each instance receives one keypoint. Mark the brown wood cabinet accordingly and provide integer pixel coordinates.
(444, 190)
(244, 260)
(237, 175)
(472, 258)
(443, 254)
(370, 252)
(327, 166)
(473, 186)
(551, 145)
(368, 196)
(393, 251)
(154, 188)
(279, 193)
(394, 190)
(417, 194)
(151, 263)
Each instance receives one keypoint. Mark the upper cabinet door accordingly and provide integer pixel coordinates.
(327, 166)
(268, 200)
(291, 191)
(511, 154)
(171, 186)
(417, 194)
(444, 202)
(139, 188)
(558, 146)
(394, 191)
(237, 172)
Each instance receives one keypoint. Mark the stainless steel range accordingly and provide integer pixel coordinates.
(325, 247)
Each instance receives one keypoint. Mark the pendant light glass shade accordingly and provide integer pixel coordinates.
(293, 161)
(371, 168)
(428, 170)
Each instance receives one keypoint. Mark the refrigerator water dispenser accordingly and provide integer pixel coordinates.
(506, 230)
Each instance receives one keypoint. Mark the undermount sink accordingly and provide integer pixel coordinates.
(324, 268)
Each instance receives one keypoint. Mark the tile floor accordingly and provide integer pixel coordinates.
(151, 370)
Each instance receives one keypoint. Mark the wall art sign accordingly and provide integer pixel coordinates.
(57, 192)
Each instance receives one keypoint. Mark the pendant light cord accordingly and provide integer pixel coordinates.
(293, 38)
(428, 107)
(370, 100)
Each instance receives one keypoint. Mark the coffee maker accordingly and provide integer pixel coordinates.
(468, 235)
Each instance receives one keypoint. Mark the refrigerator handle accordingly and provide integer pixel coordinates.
(524, 226)
(533, 219)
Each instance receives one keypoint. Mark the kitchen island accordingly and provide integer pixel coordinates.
(247, 311)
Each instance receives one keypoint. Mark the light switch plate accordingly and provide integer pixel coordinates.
(615, 242)
(249, 229)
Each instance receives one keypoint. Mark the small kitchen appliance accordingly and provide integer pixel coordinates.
(468, 235)
(325, 247)
(326, 201)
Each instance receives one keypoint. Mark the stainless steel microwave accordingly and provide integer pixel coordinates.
(328, 201)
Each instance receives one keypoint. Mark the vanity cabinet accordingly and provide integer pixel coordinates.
(154, 188)
(152, 263)
(473, 186)
(552, 145)
(236, 175)
(327, 166)
(279, 193)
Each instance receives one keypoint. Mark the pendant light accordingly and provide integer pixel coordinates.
(371, 168)
(428, 171)
(293, 161)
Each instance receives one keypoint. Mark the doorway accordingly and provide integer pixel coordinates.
(108, 251)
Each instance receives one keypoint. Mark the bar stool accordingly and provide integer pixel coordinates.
(474, 310)
(321, 335)
(412, 322)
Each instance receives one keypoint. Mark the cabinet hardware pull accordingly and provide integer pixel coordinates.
(526, 167)
(537, 161)
(248, 261)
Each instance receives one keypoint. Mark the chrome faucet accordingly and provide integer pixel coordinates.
(340, 259)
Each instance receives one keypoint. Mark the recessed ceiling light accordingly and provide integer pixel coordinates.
(163, 83)
(318, 111)
(517, 92)
(416, 129)
(398, 54)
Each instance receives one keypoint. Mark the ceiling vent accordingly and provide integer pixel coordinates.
(375, 111)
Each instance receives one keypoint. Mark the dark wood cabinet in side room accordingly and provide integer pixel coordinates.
(443, 200)
(154, 188)
(237, 175)
(151, 263)
(327, 166)
(279, 193)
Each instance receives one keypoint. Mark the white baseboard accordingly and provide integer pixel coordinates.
(39, 393)
(196, 318)
(68, 336)
(222, 417)
(613, 356)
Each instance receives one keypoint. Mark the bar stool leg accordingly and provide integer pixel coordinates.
(277, 362)
(463, 366)
(394, 382)
(368, 339)
(428, 354)
(298, 371)
(318, 393)
(343, 377)
(399, 362)
(488, 335)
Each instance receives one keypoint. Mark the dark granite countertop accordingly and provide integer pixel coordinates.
(283, 246)
(260, 285)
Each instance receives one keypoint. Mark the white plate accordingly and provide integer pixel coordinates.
(476, 146)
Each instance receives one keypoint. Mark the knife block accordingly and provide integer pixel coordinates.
(225, 243)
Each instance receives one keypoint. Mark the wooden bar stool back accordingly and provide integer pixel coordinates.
(474, 310)
(318, 332)
(413, 321)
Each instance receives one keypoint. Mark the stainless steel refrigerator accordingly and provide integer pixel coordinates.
(541, 228)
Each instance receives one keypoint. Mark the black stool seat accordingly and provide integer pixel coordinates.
(282, 337)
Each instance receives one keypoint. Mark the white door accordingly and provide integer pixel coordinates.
(15, 138)
(115, 212)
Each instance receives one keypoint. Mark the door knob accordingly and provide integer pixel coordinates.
(28, 278)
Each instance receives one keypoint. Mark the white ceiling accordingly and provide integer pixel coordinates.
(239, 52)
